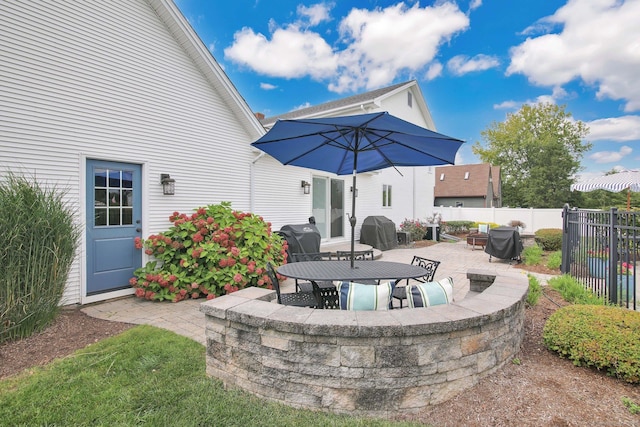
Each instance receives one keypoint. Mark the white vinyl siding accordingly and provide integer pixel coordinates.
(107, 80)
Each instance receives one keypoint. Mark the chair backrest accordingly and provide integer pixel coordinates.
(430, 265)
(311, 256)
(357, 255)
(483, 228)
(274, 281)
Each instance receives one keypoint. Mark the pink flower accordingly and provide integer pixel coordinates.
(197, 238)
(194, 285)
(237, 278)
(133, 281)
(235, 251)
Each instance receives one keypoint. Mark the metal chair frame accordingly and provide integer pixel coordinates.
(400, 292)
(297, 299)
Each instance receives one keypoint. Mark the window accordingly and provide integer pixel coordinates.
(466, 175)
(386, 195)
(409, 99)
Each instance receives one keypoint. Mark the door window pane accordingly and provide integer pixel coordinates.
(127, 198)
(101, 217)
(127, 216)
(114, 216)
(114, 179)
(100, 178)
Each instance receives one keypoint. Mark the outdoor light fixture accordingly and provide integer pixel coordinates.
(307, 187)
(168, 184)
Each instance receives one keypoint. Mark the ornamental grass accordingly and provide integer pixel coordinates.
(38, 240)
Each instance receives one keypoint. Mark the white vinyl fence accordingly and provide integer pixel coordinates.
(534, 219)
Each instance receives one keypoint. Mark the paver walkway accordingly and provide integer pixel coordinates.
(186, 319)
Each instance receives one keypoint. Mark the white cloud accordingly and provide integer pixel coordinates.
(462, 64)
(552, 98)
(302, 106)
(474, 4)
(373, 57)
(598, 44)
(267, 86)
(625, 128)
(507, 105)
(316, 13)
(290, 53)
(434, 70)
(370, 56)
(611, 156)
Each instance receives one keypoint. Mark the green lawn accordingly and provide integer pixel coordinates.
(144, 376)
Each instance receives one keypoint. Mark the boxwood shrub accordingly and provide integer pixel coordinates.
(549, 239)
(604, 337)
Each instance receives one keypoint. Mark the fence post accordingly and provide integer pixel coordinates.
(566, 262)
(613, 256)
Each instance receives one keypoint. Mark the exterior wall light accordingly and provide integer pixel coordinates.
(307, 187)
(168, 184)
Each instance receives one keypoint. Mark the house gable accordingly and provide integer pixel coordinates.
(470, 185)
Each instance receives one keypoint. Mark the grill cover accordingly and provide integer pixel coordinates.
(379, 232)
(504, 243)
(302, 238)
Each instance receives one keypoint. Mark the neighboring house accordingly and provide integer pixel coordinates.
(397, 196)
(100, 98)
(469, 186)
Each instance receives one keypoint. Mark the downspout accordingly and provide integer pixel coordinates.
(252, 184)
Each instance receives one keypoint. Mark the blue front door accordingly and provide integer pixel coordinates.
(114, 212)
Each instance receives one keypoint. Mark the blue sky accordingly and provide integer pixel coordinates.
(475, 61)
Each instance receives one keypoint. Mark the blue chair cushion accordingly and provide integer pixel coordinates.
(430, 293)
(358, 296)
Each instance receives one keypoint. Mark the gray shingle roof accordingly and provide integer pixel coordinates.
(315, 110)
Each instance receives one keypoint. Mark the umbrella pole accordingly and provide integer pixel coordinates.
(352, 219)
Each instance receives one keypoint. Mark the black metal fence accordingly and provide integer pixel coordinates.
(601, 249)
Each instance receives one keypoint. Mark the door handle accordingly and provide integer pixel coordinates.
(139, 230)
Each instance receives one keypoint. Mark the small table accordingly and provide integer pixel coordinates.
(341, 270)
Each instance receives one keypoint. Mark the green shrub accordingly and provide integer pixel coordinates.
(603, 337)
(457, 227)
(38, 240)
(549, 239)
(554, 260)
(532, 255)
(573, 291)
(212, 252)
(535, 290)
(417, 229)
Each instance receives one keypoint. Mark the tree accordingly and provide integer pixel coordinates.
(538, 149)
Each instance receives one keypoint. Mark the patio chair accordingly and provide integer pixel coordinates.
(297, 299)
(366, 255)
(400, 292)
(312, 256)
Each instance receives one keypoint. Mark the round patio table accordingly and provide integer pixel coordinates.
(341, 270)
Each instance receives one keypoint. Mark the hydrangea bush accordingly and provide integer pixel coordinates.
(213, 252)
(417, 229)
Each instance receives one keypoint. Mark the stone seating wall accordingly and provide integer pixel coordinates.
(368, 363)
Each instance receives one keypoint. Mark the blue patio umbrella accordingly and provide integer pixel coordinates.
(354, 144)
